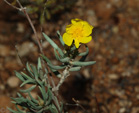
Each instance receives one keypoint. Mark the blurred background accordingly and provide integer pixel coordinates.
(111, 85)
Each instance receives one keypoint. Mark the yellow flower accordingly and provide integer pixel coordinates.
(79, 31)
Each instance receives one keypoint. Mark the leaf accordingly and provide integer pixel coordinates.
(56, 73)
(30, 81)
(19, 76)
(43, 92)
(28, 69)
(53, 44)
(46, 59)
(19, 94)
(53, 109)
(63, 60)
(56, 67)
(39, 66)
(56, 55)
(18, 109)
(60, 38)
(78, 63)
(49, 97)
(33, 100)
(74, 68)
(19, 100)
(25, 76)
(35, 72)
(28, 90)
(13, 111)
(84, 53)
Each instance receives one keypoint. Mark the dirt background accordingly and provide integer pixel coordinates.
(109, 86)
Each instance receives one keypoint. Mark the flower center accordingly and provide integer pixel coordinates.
(77, 33)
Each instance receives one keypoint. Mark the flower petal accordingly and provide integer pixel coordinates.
(76, 43)
(87, 28)
(73, 27)
(67, 39)
(73, 21)
(85, 39)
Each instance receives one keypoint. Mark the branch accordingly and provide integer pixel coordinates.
(65, 74)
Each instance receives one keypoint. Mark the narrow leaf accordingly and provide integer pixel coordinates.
(39, 66)
(56, 67)
(30, 81)
(74, 68)
(78, 63)
(60, 38)
(53, 44)
(19, 76)
(28, 90)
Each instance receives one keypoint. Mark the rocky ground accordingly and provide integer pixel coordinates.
(109, 86)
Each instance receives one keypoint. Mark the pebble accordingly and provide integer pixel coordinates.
(13, 82)
(115, 29)
(126, 74)
(122, 110)
(4, 50)
(86, 73)
(134, 32)
(136, 89)
(20, 28)
(99, 57)
(125, 103)
(113, 76)
(2, 87)
(26, 48)
(45, 44)
(92, 19)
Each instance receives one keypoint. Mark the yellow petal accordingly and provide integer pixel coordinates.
(87, 28)
(85, 39)
(73, 21)
(73, 27)
(67, 39)
(76, 43)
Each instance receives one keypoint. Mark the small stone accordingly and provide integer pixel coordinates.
(4, 50)
(86, 73)
(13, 82)
(122, 110)
(45, 44)
(124, 103)
(113, 76)
(20, 28)
(92, 19)
(126, 74)
(134, 32)
(26, 48)
(79, 3)
(115, 29)
(2, 87)
(99, 57)
(136, 89)
(137, 96)
(119, 92)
